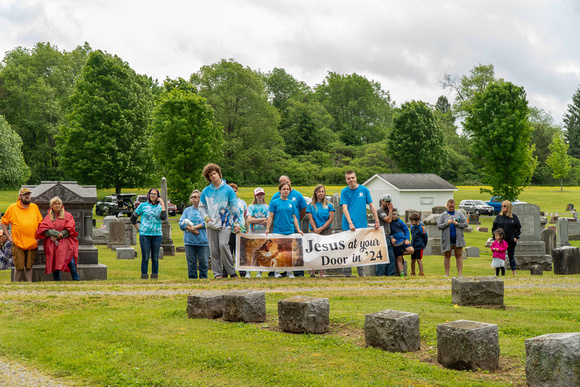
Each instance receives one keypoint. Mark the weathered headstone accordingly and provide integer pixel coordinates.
(205, 305)
(530, 249)
(79, 202)
(117, 236)
(166, 241)
(548, 236)
(477, 291)
(180, 249)
(125, 253)
(471, 252)
(434, 243)
(536, 270)
(562, 232)
(573, 229)
(438, 210)
(301, 314)
(337, 222)
(553, 360)
(543, 222)
(244, 305)
(483, 229)
(474, 219)
(566, 260)
(108, 219)
(468, 345)
(393, 331)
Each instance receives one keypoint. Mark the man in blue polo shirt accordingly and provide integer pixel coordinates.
(300, 203)
(354, 200)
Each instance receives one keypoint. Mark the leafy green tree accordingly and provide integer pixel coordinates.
(106, 142)
(572, 124)
(185, 137)
(308, 128)
(361, 109)
(252, 143)
(416, 143)
(14, 171)
(35, 87)
(467, 87)
(558, 160)
(499, 126)
(282, 87)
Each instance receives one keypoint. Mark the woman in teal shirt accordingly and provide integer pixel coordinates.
(152, 212)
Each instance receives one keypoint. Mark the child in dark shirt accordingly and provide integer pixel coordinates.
(419, 242)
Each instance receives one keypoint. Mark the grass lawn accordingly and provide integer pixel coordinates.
(127, 331)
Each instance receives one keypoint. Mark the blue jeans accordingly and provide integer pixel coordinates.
(197, 256)
(150, 246)
(73, 272)
(388, 269)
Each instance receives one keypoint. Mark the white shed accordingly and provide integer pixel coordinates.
(417, 191)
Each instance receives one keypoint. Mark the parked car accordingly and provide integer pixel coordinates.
(140, 199)
(495, 202)
(476, 207)
(171, 208)
(116, 204)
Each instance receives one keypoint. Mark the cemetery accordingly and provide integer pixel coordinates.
(431, 331)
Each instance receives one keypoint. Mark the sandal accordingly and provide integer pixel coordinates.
(218, 277)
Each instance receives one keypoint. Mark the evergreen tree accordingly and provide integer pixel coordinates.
(572, 125)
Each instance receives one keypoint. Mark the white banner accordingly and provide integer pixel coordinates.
(258, 252)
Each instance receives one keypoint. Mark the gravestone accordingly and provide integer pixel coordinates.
(553, 360)
(474, 219)
(108, 219)
(562, 233)
(477, 291)
(337, 222)
(126, 253)
(536, 270)
(438, 210)
(530, 249)
(471, 252)
(166, 241)
(79, 202)
(393, 331)
(434, 243)
(468, 345)
(543, 222)
(566, 260)
(548, 236)
(117, 236)
(573, 228)
(301, 314)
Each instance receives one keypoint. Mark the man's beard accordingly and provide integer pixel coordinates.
(25, 200)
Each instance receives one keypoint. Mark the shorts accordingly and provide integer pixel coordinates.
(399, 250)
(23, 258)
(417, 254)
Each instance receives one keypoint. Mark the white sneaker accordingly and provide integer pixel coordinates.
(277, 274)
(248, 274)
(289, 274)
(259, 275)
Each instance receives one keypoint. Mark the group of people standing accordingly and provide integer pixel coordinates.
(57, 230)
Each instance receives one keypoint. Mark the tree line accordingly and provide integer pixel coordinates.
(86, 115)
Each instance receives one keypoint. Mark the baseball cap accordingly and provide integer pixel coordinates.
(23, 191)
(386, 198)
(259, 190)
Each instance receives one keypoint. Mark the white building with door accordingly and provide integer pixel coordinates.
(416, 191)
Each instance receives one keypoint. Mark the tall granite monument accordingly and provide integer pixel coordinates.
(79, 201)
(530, 250)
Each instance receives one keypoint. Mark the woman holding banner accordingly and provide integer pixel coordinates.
(320, 215)
(283, 215)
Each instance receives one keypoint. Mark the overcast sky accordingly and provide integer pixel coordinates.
(406, 46)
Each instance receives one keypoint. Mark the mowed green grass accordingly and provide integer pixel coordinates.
(130, 332)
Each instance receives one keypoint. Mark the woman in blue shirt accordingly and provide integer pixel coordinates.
(195, 238)
(320, 215)
(283, 214)
(152, 212)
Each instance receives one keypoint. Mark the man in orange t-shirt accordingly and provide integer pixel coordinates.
(24, 217)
